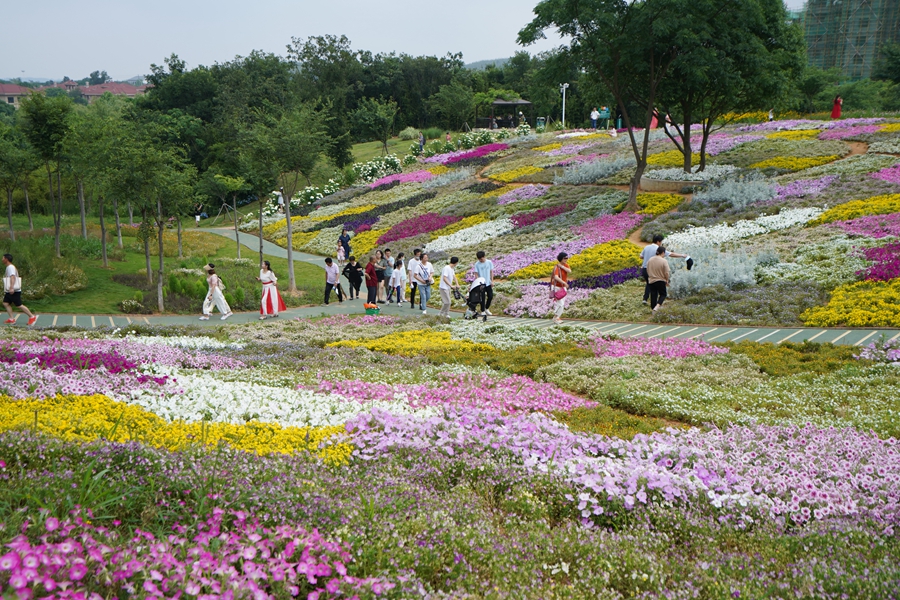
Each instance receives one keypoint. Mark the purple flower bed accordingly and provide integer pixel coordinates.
(809, 124)
(609, 227)
(358, 223)
(719, 143)
(670, 348)
(510, 395)
(461, 155)
(803, 187)
(417, 225)
(541, 214)
(606, 281)
(890, 174)
(874, 226)
(525, 192)
(886, 261)
(535, 301)
(65, 361)
(842, 133)
(570, 149)
(398, 178)
(580, 158)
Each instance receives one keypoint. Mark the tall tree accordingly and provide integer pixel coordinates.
(375, 119)
(16, 163)
(46, 123)
(455, 103)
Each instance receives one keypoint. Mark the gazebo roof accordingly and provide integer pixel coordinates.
(516, 102)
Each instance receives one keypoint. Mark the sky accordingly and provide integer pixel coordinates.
(59, 38)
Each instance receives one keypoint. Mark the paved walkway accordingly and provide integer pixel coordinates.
(711, 333)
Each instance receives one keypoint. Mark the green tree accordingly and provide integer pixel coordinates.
(375, 119)
(46, 123)
(812, 82)
(98, 77)
(455, 103)
(224, 187)
(887, 67)
(16, 163)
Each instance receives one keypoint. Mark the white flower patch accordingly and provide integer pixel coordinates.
(705, 237)
(676, 174)
(185, 342)
(471, 235)
(206, 398)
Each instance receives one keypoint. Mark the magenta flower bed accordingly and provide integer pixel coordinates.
(886, 261)
(417, 225)
(874, 226)
(460, 155)
(669, 348)
(511, 395)
(223, 557)
(542, 214)
(580, 158)
(609, 227)
(890, 174)
(526, 192)
(842, 133)
(722, 142)
(344, 320)
(809, 124)
(535, 301)
(414, 177)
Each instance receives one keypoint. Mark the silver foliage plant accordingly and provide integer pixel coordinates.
(712, 267)
(738, 193)
(449, 177)
(592, 171)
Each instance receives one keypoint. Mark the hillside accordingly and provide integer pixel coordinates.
(792, 222)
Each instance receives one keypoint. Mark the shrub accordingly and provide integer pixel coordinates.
(410, 133)
(593, 171)
(736, 193)
(449, 177)
(433, 133)
(43, 274)
(718, 268)
(377, 168)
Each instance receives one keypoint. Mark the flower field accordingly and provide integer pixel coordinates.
(524, 199)
(402, 457)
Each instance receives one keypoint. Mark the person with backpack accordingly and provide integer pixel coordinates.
(12, 291)
(215, 297)
(559, 285)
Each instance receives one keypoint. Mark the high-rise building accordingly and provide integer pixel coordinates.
(847, 34)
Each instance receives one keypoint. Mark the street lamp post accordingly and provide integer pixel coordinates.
(562, 88)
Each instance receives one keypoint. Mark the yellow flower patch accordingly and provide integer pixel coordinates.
(593, 136)
(793, 163)
(272, 229)
(876, 205)
(460, 225)
(670, 158)
(890, 128)
(514, 174)
(798, 134)
(88, 418)
(415, 343)
(548, 147)
(438, 170)
(365, 243)
(596, 260)
(657, 204)
(346, 212)
(298, 239)
(499, 191)
(860, 304)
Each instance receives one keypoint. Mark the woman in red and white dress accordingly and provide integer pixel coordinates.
(272, 303)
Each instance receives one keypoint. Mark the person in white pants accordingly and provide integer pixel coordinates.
(448, 283)
(215, 296)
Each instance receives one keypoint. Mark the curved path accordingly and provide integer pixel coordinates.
(712, 333)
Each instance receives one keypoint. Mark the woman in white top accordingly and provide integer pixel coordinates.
(424, 276)
(271, 303)
(215, 296)
(400, 265)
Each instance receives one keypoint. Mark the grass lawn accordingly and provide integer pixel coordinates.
(369, 150)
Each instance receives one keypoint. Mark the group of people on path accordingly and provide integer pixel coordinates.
(271, 302)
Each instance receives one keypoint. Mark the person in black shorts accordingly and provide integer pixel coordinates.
(12, 291)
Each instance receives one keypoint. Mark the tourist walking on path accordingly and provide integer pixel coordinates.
(388, 273)
(411, 267)
(371, 282)
(424, 280)
(421, 142)
(398, 279)
(12, 291)
(214, 298)
(649, 252)
(449, 282)
(485, 269)
(380, 267)
(354, 273)
(332, 281)
(271, 303)
(344, 241)
(559, 284)
(659, 273)
(341, 256)
(400, 265)
(837, 108)
(595, 116)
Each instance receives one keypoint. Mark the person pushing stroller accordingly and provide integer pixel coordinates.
(475, 298)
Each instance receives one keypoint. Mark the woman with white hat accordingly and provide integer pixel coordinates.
(214, 297)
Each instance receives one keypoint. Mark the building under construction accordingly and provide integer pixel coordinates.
(848, 34)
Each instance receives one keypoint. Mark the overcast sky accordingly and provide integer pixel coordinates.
(56, 38)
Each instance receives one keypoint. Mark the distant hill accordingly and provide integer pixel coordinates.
(482, 64)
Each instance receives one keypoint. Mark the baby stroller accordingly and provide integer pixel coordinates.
(474, 299)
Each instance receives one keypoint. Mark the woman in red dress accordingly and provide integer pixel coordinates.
(836, 111)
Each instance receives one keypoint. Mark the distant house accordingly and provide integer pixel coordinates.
(92, 92)
(11, 93)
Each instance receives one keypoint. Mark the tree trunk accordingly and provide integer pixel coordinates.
(118, 223)
(58, 222)
(160, 226)
(130, 214)
(27, 204)
(81, 209)
(237, 233)
(180, 253)
(147, 259)
(292, 283)
(9, 203)
(706, 131)
(103, 253)
(52, 202)
(261, 256)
